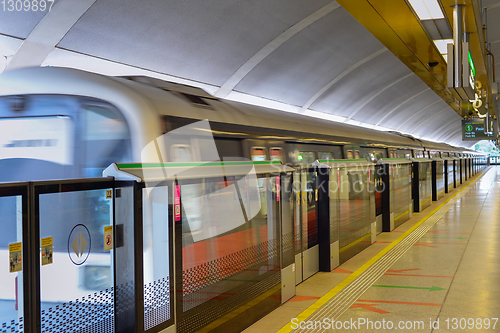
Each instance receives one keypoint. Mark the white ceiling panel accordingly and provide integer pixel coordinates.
(355, 92)
(311, 56)
(18, 23)
(202, 40)
(412, 107)
(307, 62)
(391, 99)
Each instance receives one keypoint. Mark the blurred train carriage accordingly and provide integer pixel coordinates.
(58, 123)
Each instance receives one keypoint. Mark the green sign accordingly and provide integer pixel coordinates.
(473, 130)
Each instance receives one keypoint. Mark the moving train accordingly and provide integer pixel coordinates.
(60, 123)
(64, 123)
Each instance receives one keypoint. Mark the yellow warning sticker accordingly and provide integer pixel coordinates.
(15, 258)
(47, 251)
(109, 194)
(108, 238)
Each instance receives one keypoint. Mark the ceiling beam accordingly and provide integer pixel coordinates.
(263, 53)
(377, 94)
(51, 29)
(401, 104)
(340, 77)
(417, 113)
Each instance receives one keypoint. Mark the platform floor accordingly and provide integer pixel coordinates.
(450, 276)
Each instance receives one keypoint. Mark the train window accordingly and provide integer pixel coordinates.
(277, 154)
(307, 157)
(106, 139)
(325, 155)
(357, 155)
(392, 154)
(181, 153)
(258, 154)
(350, 155)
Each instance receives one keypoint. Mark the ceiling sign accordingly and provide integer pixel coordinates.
(473, 130)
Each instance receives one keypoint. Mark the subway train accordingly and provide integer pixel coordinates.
(64, 123)
(60, 123)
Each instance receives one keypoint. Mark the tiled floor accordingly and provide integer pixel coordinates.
(451, 275)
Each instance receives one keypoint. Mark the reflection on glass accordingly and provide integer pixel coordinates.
(355, 212)
(156, 254)
(78, 284)
(400, 190)
(309, 219)
(234, 242)
(11, 287)
(307, 157)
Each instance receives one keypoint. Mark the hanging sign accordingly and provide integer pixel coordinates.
(473, 130)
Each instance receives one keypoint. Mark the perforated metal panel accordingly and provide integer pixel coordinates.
(94, 313)
(208, 274)
(209, 314)
(14, 326)
(156, 303)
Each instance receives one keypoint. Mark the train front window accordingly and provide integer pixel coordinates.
(105, 139)
(37, 137)
(58, 137)
(357, 155)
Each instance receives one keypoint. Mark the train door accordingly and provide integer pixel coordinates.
(306, 225)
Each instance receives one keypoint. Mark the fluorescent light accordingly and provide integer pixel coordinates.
(442, 45)
(427, 9)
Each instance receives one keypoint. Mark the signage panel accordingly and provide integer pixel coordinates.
(473, 130)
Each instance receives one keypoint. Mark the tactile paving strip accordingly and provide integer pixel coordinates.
(343, 300)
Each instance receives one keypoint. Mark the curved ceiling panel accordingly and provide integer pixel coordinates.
(313, 55)
(18, 23)
(201, 40)
(356, 90)
(408, 123)
(436, 124)
(390, 99)
(312, 58)
(417, 122)
(411, 107)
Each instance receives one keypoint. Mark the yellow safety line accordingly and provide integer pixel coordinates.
(354, 243)
(323, 300)
(400, 216)
(425, 201)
